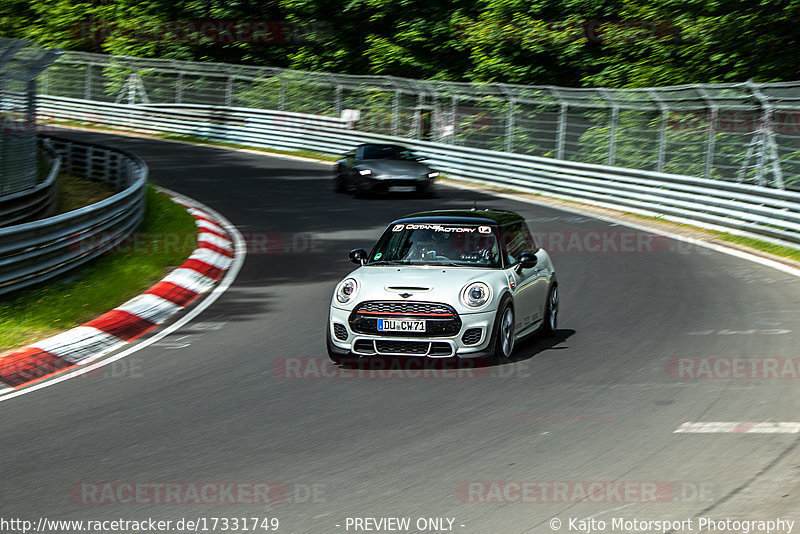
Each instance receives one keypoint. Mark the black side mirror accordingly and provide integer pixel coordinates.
(526, 261)
(358, 256)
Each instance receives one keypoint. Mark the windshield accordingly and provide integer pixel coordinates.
(437, 244)
(386, 152)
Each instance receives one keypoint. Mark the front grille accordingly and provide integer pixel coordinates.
(439, 348)
(340, 331)
(471, 336)
(385, 346)
(441, 320)
(364, 346)
(404, 307)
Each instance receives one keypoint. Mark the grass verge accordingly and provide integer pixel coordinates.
(76, 192)
(164, 240)
(769, 248)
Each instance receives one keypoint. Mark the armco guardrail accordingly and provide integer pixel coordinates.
(743, 209)
(36, 251)
(38, 201)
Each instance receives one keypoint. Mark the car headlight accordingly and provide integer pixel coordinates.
(433, 174)
(476, 294)
(347, 290)
(365, 172)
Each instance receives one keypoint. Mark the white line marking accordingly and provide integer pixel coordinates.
(194, 212)
(150, 307)
(79, 343)
(200, 223)
(225, 283)
(189, 279)
(214, 239)
(742, 427)
(210, 257)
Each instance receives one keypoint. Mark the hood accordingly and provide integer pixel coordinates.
(423, 283)
(392, 166)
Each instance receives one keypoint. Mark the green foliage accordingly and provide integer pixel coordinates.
(611, 43)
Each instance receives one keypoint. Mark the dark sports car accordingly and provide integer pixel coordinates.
(375, 168)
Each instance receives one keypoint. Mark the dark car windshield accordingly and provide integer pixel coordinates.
(437, 244)
(386, 152)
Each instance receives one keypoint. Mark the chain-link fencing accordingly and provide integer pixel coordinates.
(20, 64)
(744, 132)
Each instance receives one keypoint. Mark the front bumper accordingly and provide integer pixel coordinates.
(346, 342)
(389, 185)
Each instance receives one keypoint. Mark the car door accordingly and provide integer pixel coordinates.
(530, 284)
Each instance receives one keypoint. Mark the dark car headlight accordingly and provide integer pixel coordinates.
(365, 172)
(432, 174)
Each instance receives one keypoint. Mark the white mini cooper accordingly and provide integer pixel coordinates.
(449, 283)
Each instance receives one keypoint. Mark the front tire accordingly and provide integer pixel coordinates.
(551, 312)
(338, 182)
(426, 191)
(503, 334)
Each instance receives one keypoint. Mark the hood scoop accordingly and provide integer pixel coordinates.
(404, 289)
(407, 291)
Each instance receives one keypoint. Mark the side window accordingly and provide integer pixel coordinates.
(517, 239)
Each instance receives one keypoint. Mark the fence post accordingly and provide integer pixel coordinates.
(662, 131)
(454, 112)
(179, 88)
(337, 100)
(87, 83)
(418, 116)
(396, 112)
(768, 139)
(562, 130)
(512, 103)
(612, 135)
(712, 131)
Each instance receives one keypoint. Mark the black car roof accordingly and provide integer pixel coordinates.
(382, 144)
(488, 217)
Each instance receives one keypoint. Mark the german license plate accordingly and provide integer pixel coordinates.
(402, 188)
(400, 325)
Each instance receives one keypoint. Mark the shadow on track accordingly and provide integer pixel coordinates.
(457, 368)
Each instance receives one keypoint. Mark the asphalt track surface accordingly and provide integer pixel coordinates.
(600, 403)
